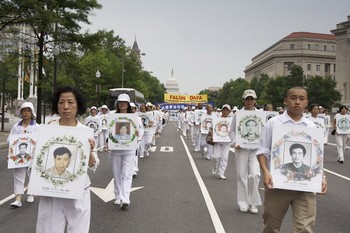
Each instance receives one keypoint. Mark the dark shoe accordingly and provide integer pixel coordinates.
(124, 206)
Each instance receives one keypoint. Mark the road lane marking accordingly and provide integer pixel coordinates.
(336, 174)
(219, 228)
(6, 199)
(107, 194)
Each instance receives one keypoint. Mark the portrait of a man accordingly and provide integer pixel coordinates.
(122, 131)
(223, 129)
(251, 130)
(104, 123)
(343, 124)
(22, 151)
(297, 168)
(62, 157)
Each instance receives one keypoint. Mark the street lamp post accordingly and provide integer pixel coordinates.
(98, 88)
(3, 104)
(55, 52)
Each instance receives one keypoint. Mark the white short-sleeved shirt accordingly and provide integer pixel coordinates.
(266, 135)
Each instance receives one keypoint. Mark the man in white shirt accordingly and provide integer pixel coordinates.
(277, 201)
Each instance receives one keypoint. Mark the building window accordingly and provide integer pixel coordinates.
(308, 67)
(291, 46)
(318, 67)
(308, 46)
(316, 47)
(327, 67)
(325, 47)
(332, 48)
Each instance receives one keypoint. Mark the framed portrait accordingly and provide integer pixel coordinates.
(270, 114)
(249, 125)
(297, 158)
(60, 162)
(198, 115)
(343, 124)
(327, 119)
(221, 129)
(104, 122)
(146, 119)
(206, 123)
(21, 148)
(122, 131)
(94, 124)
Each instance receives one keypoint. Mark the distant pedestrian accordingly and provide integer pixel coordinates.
(341, 125)
(26, 125)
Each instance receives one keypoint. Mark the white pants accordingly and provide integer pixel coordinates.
(185, 128)
(248, 176)
(103, 138)
(341, 140)
(203, 144)
(19, 177)
(221, 151)
(123, 168)
(196, 137)
(55, 213)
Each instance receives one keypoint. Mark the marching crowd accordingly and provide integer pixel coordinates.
(195, 124)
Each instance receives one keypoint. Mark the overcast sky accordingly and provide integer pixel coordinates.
(209, 42)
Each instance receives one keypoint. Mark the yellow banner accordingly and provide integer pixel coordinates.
(174, 98)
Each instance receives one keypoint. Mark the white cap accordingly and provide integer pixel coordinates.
(27, 105)
(149, 104)
(249, 92)
(93, 107)
(104, 106)
(235, 108)
(185, 108)
(123, 97)
(133, 105)
(226, 106)
(320, 106)
(193, 107)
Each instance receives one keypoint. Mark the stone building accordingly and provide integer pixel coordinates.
(342, 34)
(314, 52)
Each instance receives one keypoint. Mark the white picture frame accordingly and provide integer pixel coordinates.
(343, 124)
(125, 140)
(104, 121)
(49, 177)
(21, 149)
(94, 123)
(221, 129)
(249, 125)
(287, 142)
(206, 124)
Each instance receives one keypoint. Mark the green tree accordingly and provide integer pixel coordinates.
(275, 91)
(258, 85)
(321, 90)
(232, 91)
(48, 20)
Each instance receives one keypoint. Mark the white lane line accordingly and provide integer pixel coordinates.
(219, 228)
(6, 199)
(336, 174)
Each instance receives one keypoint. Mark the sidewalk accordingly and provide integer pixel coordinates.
(7, 128)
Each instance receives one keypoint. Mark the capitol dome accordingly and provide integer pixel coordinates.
(171, 84)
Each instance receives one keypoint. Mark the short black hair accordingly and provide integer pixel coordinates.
(296, 146)
(23, 144)
(343, 106)
(61, 151)
(78, 97)
(313, 105)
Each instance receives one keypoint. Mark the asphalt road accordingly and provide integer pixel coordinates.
(175, 192)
